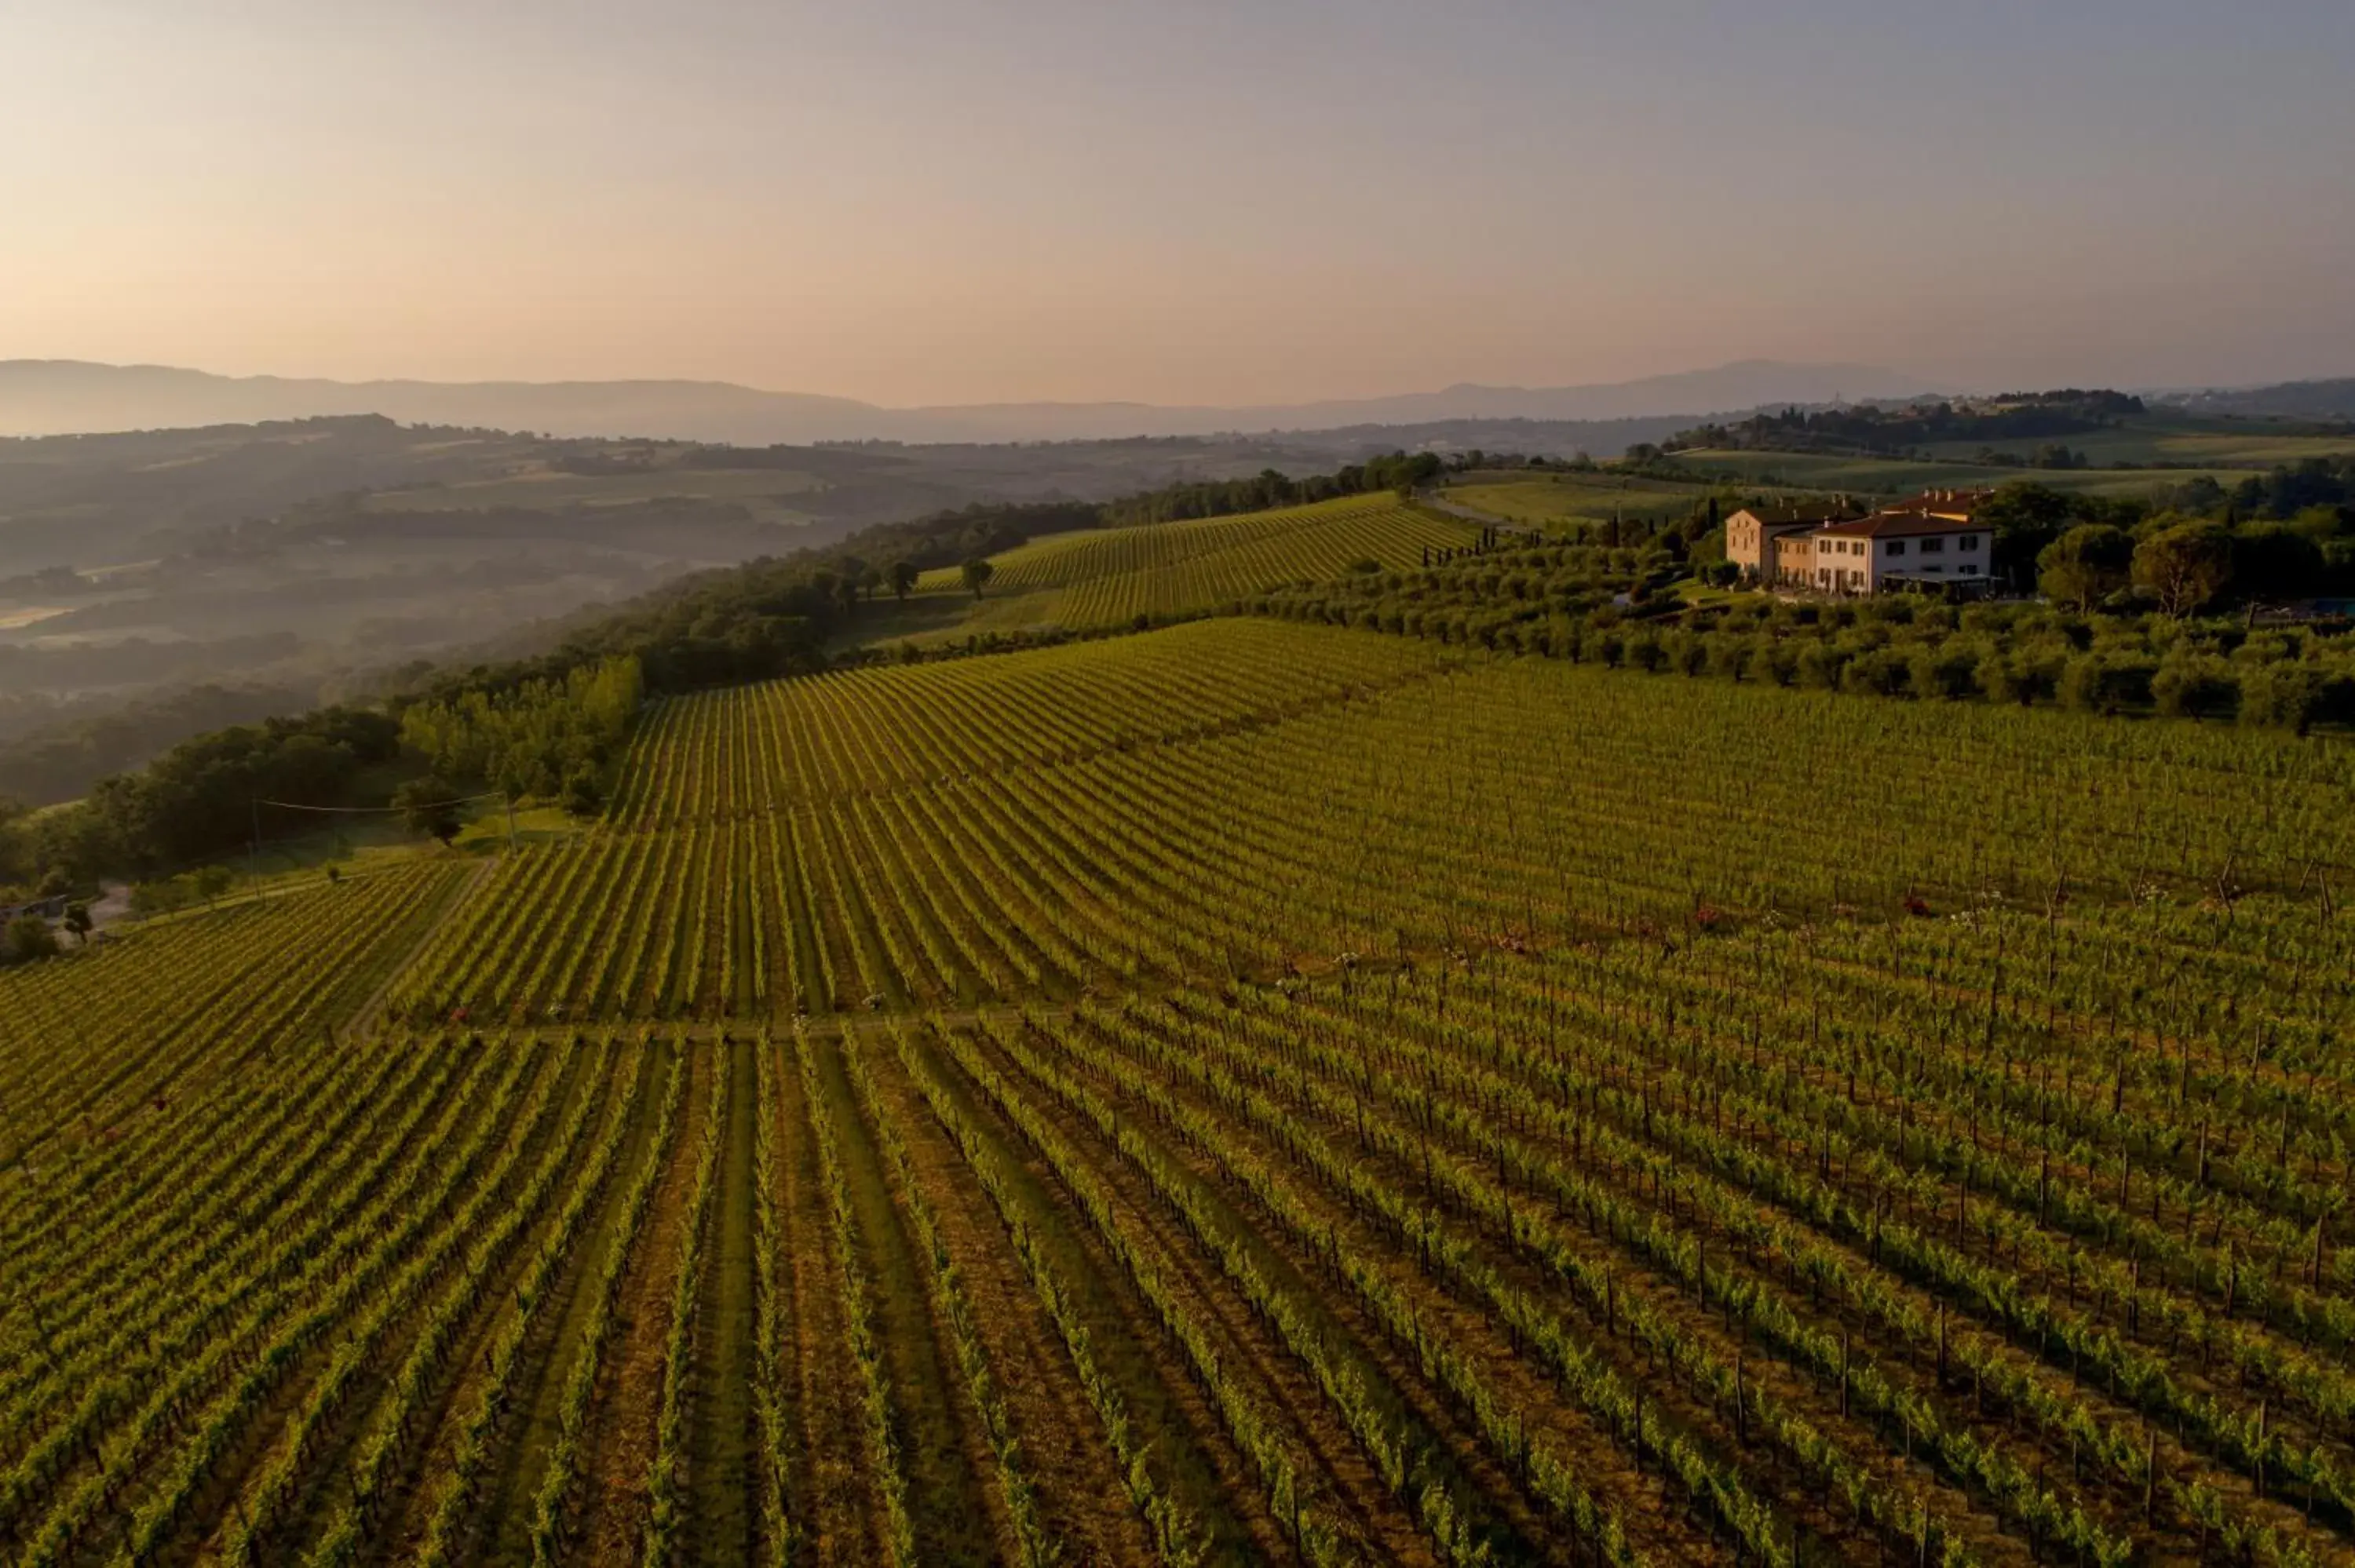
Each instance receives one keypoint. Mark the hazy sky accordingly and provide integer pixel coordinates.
(1180, 200)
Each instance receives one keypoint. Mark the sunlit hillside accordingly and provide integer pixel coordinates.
(1111, 576)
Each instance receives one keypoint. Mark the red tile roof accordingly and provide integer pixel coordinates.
(1895, 525)
(1796, 517)
(1945, 502)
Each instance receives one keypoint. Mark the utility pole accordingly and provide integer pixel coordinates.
(508, 801)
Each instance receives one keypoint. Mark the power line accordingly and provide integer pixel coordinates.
(376, 810)
(256, 803)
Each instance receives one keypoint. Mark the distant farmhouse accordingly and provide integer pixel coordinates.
(1933, 541)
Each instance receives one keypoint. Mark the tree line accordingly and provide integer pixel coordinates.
(549, 739)
(2288, 534)
(198, 799)
(2013, 417)
(1268, 490)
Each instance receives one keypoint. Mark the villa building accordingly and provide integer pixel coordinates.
(1753, 534)
(1893, 550)
(1932, 540)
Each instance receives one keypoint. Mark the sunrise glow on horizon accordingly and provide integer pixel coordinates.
(922, 202)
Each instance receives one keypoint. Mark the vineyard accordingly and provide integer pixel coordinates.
(1248, 1092)
(1110, 576)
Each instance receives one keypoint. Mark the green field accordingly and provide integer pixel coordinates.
(1534, 502)
(1897, 476)
(2224, 451)
(1242, 1093)
(1110, 576)
(1537, 500)
(2218, 444)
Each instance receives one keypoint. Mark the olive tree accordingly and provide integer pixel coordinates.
(2184, 567)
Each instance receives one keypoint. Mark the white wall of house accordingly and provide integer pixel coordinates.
(1841, 564)
(1854, 564)
(1931, 558)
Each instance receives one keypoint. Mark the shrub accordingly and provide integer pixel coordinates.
(2195, 686)
(27, 937)
(2038, 671)
(1945, 669)
(1820, 664)
(1731, 654)
(2003, 679)
(2107, 683)
(2281, 697)
(584, 795)
(1880, 671)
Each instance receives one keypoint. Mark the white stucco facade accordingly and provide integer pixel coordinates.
(1874, 555)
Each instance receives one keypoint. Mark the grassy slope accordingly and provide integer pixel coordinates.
(1065, 560)
(1593, 497)
(1098, 578)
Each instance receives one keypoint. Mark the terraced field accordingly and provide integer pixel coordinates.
(1244, 1093)
(1110, 576)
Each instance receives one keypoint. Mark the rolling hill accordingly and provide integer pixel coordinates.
(61, 396)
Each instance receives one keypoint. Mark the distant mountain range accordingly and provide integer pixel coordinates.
(72, 396)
